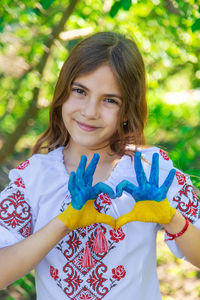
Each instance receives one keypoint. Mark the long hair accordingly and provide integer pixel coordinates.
(127, 65)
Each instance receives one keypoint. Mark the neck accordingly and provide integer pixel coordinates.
(106, 164)
(72, 155)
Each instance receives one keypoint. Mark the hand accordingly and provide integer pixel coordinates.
(151, 203)
(80, 183)
(81, 211)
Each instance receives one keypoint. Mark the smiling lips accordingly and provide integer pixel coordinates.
(87, 128)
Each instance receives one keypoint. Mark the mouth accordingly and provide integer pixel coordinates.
(86, 127)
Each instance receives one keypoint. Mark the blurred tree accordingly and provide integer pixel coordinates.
(36, 37)
(39, 68)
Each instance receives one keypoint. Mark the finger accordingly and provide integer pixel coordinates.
(72, 188)
(89, 172)
(72, 181)
(91, 216)
(106, 219)
(168, 181)
(120, 188)
(103, 188)
(126, 186)
(154, 175)
(77, 203)
(139, 171)
(81, 171)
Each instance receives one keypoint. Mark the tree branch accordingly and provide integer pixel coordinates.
(32, 110)
(171, 8)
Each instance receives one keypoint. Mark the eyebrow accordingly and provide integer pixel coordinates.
(105, 95)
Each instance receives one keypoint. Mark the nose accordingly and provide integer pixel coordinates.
(90, 109)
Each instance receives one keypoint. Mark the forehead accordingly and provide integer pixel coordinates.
(100, 78)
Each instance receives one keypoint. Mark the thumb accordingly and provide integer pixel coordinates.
(121, 187)
(126, 186)
(106, 219)
(103, 188)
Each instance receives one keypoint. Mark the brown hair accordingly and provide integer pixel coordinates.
(126, 62)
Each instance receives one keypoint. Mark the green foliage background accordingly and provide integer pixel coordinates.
(32, 51)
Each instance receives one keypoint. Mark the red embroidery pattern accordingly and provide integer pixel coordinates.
(23, 165)
(26, 230)
(117, 235)
(54, 273)
(96, 280)
(102, 203)
(19, 183)
(180, 177)
(105, 199)
(83, 231)
(73, 244)
(86, 295)
(73, 280)
(188, 203)
(119, 272)
(78, 282)
(15, 212)
(164, 155)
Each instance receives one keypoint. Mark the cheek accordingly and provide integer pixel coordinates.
(112, 117)
(68, 107)
(66, 113)
(111, 121)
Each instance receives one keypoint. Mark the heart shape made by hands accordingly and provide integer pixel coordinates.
(143, 211)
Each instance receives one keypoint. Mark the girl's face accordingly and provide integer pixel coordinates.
(92, 110)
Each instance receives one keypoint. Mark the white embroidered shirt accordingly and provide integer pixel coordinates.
(38, 191)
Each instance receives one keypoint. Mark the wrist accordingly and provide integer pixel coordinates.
(176, 227)
(60, 226)
(175, 224)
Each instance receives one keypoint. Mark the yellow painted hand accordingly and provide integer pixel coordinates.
(148, 211)
(151, 204)
(86, 216)
(81, 211)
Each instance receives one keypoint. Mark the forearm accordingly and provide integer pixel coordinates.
(189, 241)
(19, 259)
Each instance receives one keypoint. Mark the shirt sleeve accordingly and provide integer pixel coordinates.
(15, 212)
(181, 196)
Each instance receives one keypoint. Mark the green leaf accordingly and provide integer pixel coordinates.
(126, 4)
(115, 8)
(32, 11)
(1, 24)
(196, 25)
(46, 3)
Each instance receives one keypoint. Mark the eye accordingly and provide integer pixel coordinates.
(79, 91)
(111, 101)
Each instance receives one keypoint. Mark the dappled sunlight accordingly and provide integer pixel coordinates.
(178, 278)
(188, 97)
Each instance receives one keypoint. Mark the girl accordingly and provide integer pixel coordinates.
(92, 234)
